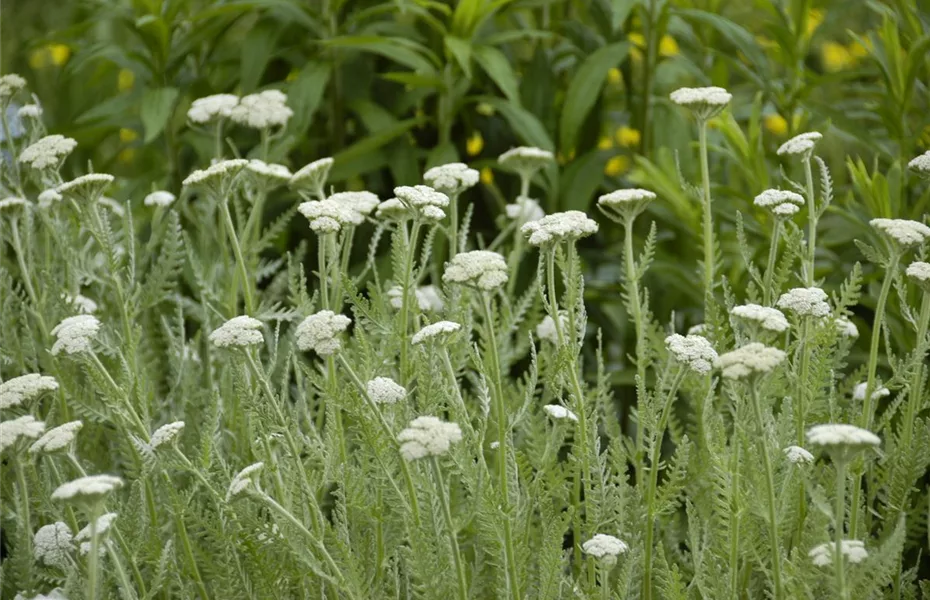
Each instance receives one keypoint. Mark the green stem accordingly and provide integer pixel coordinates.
(734, 522)
(453, 542)
(840, 516)
(453, 225)
(121, 574)
(649, 68)
(240, 260)
(407, 287)
(708, 218)
(632, 282)
(811, 223)
(803, 388)
(774, 544)
(26, 533)
(605, 580)
(768, 292)
(93, 557)
(516, 254)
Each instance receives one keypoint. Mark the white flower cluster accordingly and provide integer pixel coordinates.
(238, 332)
(424, 200)
(384, 390)
(558, 227)
(361, 202)
(320, 332)
(705, 102)
(546, 329)
(905, 232)
(919, 272)
(781, 203)
(798, 455)
(29, 111)
(216, 173)
(559, 412)
(833, 434)
(268, 174)
(692, 351)
(313, 176)
(846, 328)
(20, 428)
(524, 210)
(800, 145)
(605, 547)
(427, 436)
(805, 302)
(9, 85)
(47, 152)
(326, 216)
(625, 204)
(860, 389)
(89, 488)
(83, 304)
(451, 179)
(822, 554)
(103, 524)
(480, 269)
(12, 202)
(166, 434)
(57, 439)
(526, 160)
(749, 360)
(439, 329)
(75, 334)
(24, 388)
(48, 197)
(159, 198)
(244, 479)
(921, 164)
(427, 296)
(55, 594)
(52, 545)
(209, 108)
(86, 187)
(262, 110)
(770, 319)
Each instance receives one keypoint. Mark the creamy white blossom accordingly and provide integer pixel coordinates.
(526, 160)
(90, 488)
(800, 145)
(83, 304)
(320, 332)
(47, 152)
(921, 164)
(452, 178)
(112, 205)
(362, 202)
(919, 272)
(9, 85)
(48, 197)
(749, 360)
(564, 226)
(428, 298)
(75, 334)
(216, 173)
(692, 351)
(781, 203)
(29, 111)
(104, 522)
(833, 434)
(440, 330)
(55, 594)
(24, 388)
(623, 204)
(166, 434)
(159, 198)
(57, 439)
(262, 110)
(524, 210)
(854, 551)
(546, 329)
(424, 200)
(384, 390)
(559, 412)
(313, 176)
(52, 545)
(24, 427)
(705, 102)
(244, 479)
(239, 331)
(268, 174)
(798, 455)
(699, 329)
(860, 389)
(209, 108)
(605, 547)
(480, 269)
(770, 319)
(904, 232)
(326, 216)
(12, 202)
(805, 302)
(432, 213)
(427, 436)
(846, 328)
(393, 210)
(86, 187)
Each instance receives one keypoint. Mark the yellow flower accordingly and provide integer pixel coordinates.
(814, 19)
(128, 135)
(565, 158)
(668, 46)
(483, 108)
(49, 55)
(292, 75)
(776, 124)
(59, 54)
(614, 77)
(127, 155)
(487, 176)
(627, 136)
(835, 57)
(857, 50)
(637, 39)
(125, 80)
(765, 42)
(617, 166)
(475, 144)
(605, 143)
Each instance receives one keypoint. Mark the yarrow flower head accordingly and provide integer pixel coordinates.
(620, 205)
(919, 273)
(327, 216)
(49, 197)
(57, 439)
(921, 165)
(558, 227)
(9, 85)
(361, 202)
(524, 210)
(216, 176)
(427, 296)
(210, 108)
(24, 427)
(451, 179)
(393, 210)
(268, 175)
(800, 145)
(24, 388)
(559, 412)
(479, 269)
(238, 332)
(860, 389)
(605, 547)
(88, 490)
(753, 359)
(781, 203)
(798, 455)
(75, 334)
(853, 550)
(704, 102)
(244, 479)
(48, 152)
(440, 331)
(526, 160)
(55, 594)
(320, 332)
(902, 231)
(423, 200)
(846, 328)
(805, 302)
(166, 435)
(384, 390)
(29, 111)
(427, 436)
(159, 198)
(52, 545)
(842, 440)
(547, 331)
(87, 188)
(769, 319)
(692, 351)
(262, 110)
(313, 176)
(102, 525)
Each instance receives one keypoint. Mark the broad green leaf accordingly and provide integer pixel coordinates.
(620, 10)
(387, 47)
(257, 49)
(580, 181)
(377, 139)
(157, 105)
(441, 155)
(498, 68)
(729, 30)
(584, 90)
(525, 125)
(461, 51)
(305, 94)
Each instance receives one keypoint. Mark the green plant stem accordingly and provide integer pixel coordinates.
(24, 270)
(516, 254)
(453, 225)
(346, 257)
(636, 313)
(450, 526)
(25, 512)
(121, 575)
(648, 70)
(708, 218)
(188, 550)
(450, 371)
(811, 223)
(240, 260)
(93, 557)
(803, 386)
(768, 293)
(605, 580)
(774, 544)
(654, 481)
(408, 286)
(866, 419)
(734, 522)
(840, 516)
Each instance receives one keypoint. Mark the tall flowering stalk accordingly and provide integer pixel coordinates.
(802, 146)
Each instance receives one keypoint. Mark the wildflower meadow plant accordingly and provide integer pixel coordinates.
(257, 379)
